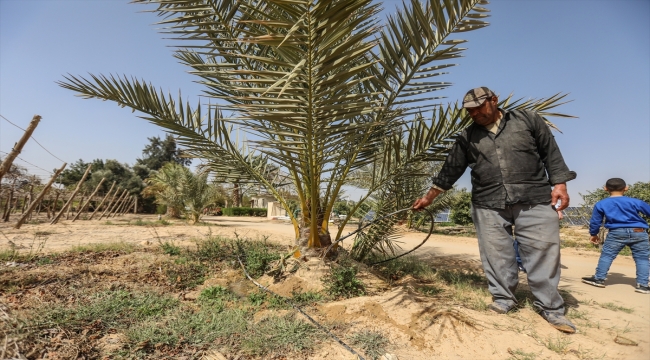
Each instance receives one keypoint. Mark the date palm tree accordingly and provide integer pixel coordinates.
(319, 85)
(182, 191)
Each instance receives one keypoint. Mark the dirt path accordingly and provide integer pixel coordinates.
(610, 312)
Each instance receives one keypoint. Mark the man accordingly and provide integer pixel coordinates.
(515, 161)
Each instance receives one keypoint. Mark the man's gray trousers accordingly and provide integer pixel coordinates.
(537, 230)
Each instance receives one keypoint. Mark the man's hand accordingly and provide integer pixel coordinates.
(426, 200)
(595, 240)
(559, 193)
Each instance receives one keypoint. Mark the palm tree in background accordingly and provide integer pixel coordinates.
(182, 191)
(323, 88)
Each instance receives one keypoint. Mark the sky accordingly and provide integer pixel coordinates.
(597, 51)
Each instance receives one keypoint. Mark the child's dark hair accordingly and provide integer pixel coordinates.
(615, 184)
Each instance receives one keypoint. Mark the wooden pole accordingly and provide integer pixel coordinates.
(6, 164)
(112, 203)
(72, 208)
(5, 216)
(119, 209)
(55, 204)
(31, 196)
(135, 207)
(110, 210)
(88, 201)
(131, 202)
(102, 202)
(119, 205)
(128, 206)
(39, 197)
(38, 209)
(27, 196)
(74, 193)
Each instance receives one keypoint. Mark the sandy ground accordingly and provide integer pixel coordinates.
(418, 329)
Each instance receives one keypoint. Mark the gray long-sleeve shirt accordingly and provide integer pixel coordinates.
(518, 164)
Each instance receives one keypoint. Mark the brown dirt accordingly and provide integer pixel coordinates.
(419, 327)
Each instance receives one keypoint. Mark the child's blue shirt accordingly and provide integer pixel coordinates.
(619, 212)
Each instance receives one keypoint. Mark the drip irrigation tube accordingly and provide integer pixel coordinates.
(346, 346)
(427, 211)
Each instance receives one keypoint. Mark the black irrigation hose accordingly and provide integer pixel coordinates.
(346, 346)
(428, 212)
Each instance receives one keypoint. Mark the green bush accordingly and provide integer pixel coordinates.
(244, 211)
(461, 213)
(342, 281)
(169, 248)
(161, 209)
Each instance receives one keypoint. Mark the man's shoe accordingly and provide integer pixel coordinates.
(559, 322)
(593, 281)
(642, 289)
(500, 308)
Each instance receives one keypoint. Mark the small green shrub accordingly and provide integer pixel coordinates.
(257, 256)
(212, 249)
(185, 274)
(140, 222)
(169, 248)
(113, 308)
(520, 354)
(306, 298)
(429, 290)
(244, 211)
(373, 343)
(257, 298)
(192, 327)
(8, 255)
(277, 302)
(215, 297)
(278, 334)
(407, 265)
(216, 293)
(461, 213)
(161, 209)
(614, 307)
(44, 260)
(559, 344)
(122, 247)
(342, 281)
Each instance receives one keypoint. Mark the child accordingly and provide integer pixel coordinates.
(626, 227)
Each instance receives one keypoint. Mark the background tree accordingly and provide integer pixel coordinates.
(158, 152)
(461, 208)
(182, 191)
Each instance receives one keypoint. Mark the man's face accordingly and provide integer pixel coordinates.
(486, 113)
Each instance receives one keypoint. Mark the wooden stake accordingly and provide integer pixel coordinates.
(83, 207)
(102, 202)
(112, 203)
(5, 216)
(119, 205)
(120, 210)
(56, 203)
(74, 193)
(71, 207)
(131, 202)
(39, 198)
(6, 164)
(130, 205)
(110, 211)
